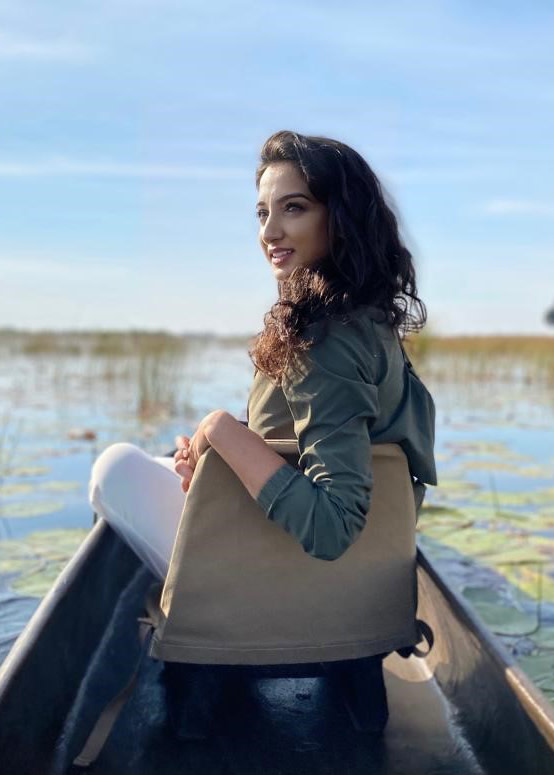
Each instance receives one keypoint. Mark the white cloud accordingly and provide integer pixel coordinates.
(60, 50)
(435, 175)
(517, 207)
(60, 166)
(36, 267)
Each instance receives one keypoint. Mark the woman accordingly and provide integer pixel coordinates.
(330, 369)
(330, 372)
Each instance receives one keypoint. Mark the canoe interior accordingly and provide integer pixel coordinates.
(452, 713)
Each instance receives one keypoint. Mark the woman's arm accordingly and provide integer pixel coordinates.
(252, 460)
(334, 403)
(333, 399)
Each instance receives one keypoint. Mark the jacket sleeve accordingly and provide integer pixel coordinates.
(334, 403)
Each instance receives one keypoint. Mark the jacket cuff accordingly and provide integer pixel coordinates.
(275, 486)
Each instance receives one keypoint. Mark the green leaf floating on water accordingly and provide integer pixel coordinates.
(8, 490)
(59, 486)
(484, 448)
(546, 515)
(488, 465)
(456, 486)
(453, 491)
(481, 594)
(28, 470)
(540, 669)
(504, 619)
(529, 498)
(23, 488)
(36, 561)
(25, 509)
(508, 467)
(544, 638)
(503, 540)
(432, 510)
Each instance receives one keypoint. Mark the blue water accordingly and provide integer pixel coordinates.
(43, 400)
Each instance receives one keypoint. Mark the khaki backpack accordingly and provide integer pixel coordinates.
(242, 591)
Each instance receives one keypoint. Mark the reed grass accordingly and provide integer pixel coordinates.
(484, 358)
(112, 343)
(150, 358)
(157, 378)
(9, 441)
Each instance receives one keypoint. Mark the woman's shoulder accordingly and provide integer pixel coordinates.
(357, 345)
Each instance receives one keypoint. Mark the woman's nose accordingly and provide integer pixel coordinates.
(272, 229)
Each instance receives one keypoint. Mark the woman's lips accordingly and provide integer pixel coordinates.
(280, 256)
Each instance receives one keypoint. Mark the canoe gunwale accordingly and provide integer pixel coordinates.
(29, 637)
(49, 659)
(103, 560)
(534, 702)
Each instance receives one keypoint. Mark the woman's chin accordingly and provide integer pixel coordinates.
(282, 272)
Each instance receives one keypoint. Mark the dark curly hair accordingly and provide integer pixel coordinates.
(367, 262)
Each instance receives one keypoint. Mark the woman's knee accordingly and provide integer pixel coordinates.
(116, 461)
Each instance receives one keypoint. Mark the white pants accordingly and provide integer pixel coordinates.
(141, 498)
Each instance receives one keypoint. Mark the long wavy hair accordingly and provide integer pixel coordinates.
(367, 261)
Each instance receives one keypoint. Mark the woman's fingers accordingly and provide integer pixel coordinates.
(183, 445)
(182, 459)
(183, 468)
(185, 472)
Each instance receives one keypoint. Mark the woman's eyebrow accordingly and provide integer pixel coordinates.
(286, 196)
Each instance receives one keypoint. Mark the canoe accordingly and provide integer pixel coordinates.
(465, 708)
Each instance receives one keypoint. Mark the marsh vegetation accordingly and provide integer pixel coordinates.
(489, 525)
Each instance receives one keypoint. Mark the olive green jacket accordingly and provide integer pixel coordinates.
(351, 389)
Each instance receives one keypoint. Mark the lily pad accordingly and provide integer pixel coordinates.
(22, 510)
(540, 669)
(536, 472)
(488, 465)
(29, 470)
(480, 594)
(508, 467)
(526, 498)
(504, 619)
(36, 561)
(484, 448)
(60, 486)
(530, 579)
(453, 491)
(8, 490)
(544, 638)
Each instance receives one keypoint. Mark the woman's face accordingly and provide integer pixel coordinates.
(293, 224)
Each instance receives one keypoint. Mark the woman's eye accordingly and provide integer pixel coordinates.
(289, 207)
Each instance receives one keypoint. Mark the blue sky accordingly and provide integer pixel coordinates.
(130, 129)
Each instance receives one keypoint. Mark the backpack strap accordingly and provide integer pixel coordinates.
(425, 632)
(405, 356)
(423, 628)
(104, 725)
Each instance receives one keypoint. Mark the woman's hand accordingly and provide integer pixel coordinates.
(190, 449)
(181, 465)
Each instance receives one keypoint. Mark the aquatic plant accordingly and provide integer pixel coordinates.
(157, 378)
(8, 447)
(527, 359)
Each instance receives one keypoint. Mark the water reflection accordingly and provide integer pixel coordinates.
(492, 513)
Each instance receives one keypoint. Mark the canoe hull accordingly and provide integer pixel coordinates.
(84, 635)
